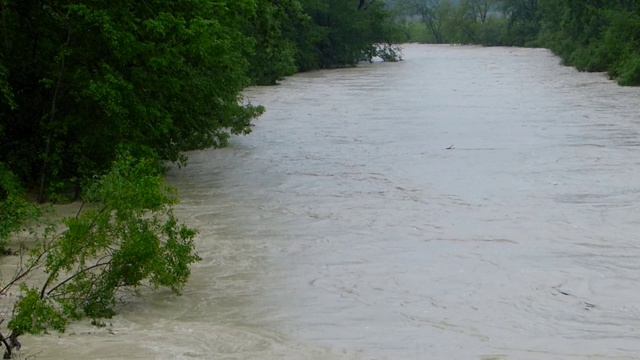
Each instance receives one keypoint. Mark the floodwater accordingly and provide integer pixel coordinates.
(466, 203)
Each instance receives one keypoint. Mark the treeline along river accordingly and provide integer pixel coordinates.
(466, 203)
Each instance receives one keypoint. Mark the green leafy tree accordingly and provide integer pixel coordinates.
(479, 9)
(594, 35)
(78, 78)
(431, 14)
(344, 33)
(124, 237)
(620, 45)
(273, 29)
(523, 18)
(15, 209)
(446, 22)
(478, 22)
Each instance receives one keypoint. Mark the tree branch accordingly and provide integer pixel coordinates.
(7, 352)
(42, 293)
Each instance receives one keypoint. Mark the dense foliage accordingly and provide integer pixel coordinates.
(592, 35)
(273, 29)
(342, 34)
(124, 236)
(461, 22)
(15, 210)
(79, 78)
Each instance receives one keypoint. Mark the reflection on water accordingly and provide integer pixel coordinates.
(467, 203)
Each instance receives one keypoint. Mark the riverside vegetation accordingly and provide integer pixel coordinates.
(592, 35)
(96, 95)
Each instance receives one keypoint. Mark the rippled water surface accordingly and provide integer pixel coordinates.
(466, 203)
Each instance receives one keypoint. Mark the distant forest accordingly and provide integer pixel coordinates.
(592, 35)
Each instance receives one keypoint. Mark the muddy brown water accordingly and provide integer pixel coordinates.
(343, 227)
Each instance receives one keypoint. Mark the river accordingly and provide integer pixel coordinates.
(466, 203)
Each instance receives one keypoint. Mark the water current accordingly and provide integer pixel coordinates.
(465, 203)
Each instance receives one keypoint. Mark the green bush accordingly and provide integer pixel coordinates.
(15, 209)
(125, 235)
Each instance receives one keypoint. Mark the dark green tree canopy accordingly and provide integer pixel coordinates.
(592, 35)
(78, 78)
